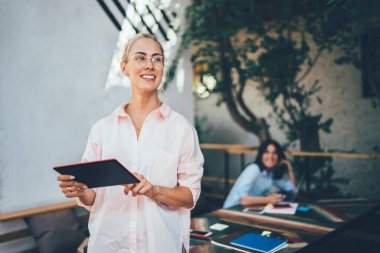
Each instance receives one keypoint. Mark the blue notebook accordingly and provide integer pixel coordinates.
(259, 242)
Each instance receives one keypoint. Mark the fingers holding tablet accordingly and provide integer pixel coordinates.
(128, 188)
(144, 187)
(69, 187)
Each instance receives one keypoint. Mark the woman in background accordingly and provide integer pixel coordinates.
(161, 147)
(270, 172)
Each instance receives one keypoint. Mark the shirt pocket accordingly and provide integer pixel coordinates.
(165, 169)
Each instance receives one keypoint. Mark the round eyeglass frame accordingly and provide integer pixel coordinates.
(144, 63)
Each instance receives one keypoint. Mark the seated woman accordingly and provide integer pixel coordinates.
(269, 171)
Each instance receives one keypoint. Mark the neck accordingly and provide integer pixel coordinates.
(142, 105)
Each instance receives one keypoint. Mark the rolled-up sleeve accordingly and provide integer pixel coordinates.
(190, 167)
(285, 185)
(242, 185)
(92, 152)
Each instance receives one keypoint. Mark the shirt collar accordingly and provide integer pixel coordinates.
(266, 173)
(120, 110)
(164, 110)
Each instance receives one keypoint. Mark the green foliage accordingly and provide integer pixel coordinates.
(273, 46)
(357, 22)
(262, 44)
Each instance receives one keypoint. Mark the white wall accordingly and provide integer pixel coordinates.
(55, 58)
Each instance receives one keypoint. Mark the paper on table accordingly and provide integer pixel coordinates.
(218, 226)
(281, 210)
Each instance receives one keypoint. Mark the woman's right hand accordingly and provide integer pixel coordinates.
(71, 188)
(274, 198)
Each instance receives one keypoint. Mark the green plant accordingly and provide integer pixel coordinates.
(262, 45)
(272, 46)
(356, 23)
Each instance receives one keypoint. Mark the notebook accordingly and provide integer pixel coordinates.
(259, 243)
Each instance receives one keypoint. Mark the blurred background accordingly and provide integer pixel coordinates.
(301, 72)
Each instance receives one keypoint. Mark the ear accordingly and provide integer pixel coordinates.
(123, 67)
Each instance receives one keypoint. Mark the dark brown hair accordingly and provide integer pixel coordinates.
(278, 171)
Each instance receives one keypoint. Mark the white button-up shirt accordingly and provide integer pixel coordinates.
(167, 153)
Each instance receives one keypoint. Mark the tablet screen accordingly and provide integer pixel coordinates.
(99, 173)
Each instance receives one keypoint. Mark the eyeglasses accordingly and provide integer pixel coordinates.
(140, 61)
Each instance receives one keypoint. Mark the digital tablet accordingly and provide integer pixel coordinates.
(98, 173)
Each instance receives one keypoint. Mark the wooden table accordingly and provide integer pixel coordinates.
(324, 226)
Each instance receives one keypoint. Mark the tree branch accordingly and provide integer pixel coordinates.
(304, 75)
(258, 127)
(242, 82)
(289, 111)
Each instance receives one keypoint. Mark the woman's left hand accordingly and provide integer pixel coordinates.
(290, 171)
(142, 188)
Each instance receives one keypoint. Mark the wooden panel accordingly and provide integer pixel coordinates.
(321, 229)
(251, 150)
(224, 146)
(217, 180)
(334, 154)
(37, 210)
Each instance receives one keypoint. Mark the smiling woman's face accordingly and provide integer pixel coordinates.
(270, 157)
(144, 77)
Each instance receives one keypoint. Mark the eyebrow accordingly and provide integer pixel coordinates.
(143, 53)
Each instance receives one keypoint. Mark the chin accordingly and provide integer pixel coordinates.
(149, 89)
(270, 167)
(146, 87)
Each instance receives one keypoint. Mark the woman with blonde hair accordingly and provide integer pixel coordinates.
(156, 143)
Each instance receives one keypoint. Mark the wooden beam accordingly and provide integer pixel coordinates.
(312, 154)
(37, 210)
(245, 149)
(217, 180)
(334, 154)
(224, 146)
(321, 229)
